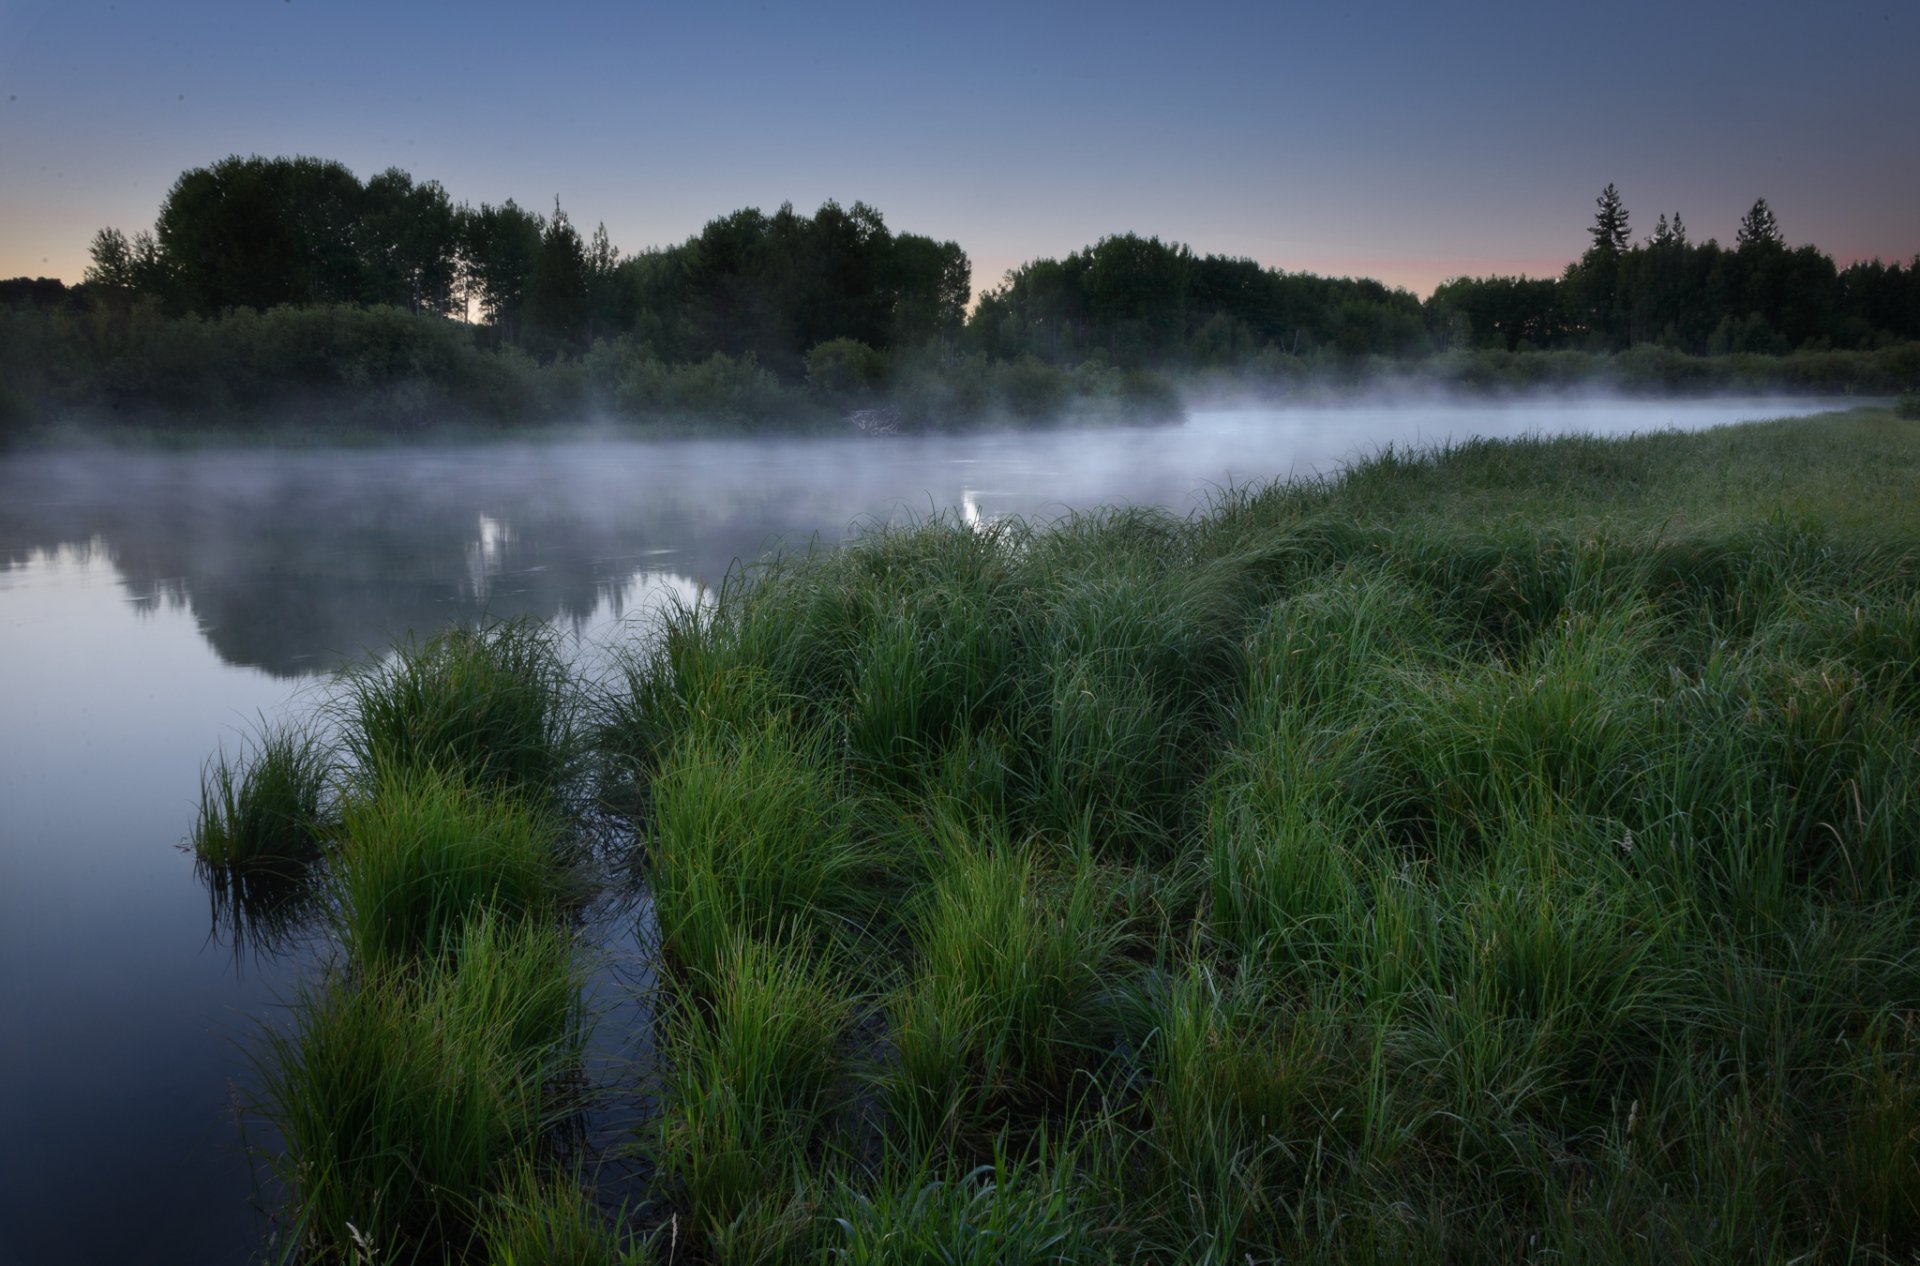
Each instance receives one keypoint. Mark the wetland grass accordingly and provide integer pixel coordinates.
(1504, 853)
(492, 705)
(1500, 853)
(268, 810)
(753, 1080)
(407, 1099)
(422, 854)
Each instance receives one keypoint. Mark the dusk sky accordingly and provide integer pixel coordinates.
(1400, 141)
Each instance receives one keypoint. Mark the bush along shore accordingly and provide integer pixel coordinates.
(1501, 853)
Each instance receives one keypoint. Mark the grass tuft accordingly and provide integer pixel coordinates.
(404, 1099)
(269, 809)
(422, 855)
(493, 706)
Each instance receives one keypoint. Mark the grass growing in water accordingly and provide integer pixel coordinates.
(492, 705)
(1498, 853)
(1504, 853)
(267, 810)
(406, 1100)
(423, 854)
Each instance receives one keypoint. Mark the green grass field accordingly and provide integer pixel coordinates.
(1500, 854)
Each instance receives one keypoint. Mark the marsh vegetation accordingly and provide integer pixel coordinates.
(1504, 852)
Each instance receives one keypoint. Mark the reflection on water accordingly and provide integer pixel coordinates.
(154, 605)
(261, 911)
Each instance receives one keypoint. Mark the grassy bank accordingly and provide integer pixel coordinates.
(1506, 853)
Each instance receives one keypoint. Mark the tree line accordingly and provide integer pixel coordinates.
(1759, 295)
(262, 233)
(258, 233)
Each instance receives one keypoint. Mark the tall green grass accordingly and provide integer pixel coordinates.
(422, 855)
(1002, 1008)
(492, 705)
(269, 808)
(406, 1100)
(752, 1085)
(753, 835)
(1500, 853)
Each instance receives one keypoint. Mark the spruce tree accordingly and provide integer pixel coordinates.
(1610, 222)
(1679, 231)
(1759, 227)
(1662, 235)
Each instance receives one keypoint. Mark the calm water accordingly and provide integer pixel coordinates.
(153, 606)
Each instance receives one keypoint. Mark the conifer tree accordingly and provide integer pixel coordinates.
(1759, 227)
(1610, 222)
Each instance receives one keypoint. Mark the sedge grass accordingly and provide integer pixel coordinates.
(492, 705)
(536, 1218)
(1003, 1004)
(752, 1076)
(753, 835)
(1507, 852)
(404, 1099)
(268, 809)
(422, 855)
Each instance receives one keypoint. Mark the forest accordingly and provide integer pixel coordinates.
(264, 281)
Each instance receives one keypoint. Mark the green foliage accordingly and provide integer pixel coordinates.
(405, 1099)
(845, 369)
(269, 809)
(752, 836)
(1909, 406)
(537, 1220)
(1500, 851)
(750, 1084)
(490, 706)
(997, 1215)
(422, 855)
(1003, 1003)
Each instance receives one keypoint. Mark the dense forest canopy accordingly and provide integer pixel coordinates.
(838, 292)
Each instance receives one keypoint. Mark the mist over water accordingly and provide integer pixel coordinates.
(153, 605)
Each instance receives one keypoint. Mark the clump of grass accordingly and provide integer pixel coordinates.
(1909, 405)
(268, 810)
(753, 836)
(540, 1219)
(1002, 1214)
(404, 1099)
(1002, 1006)
(1242, 1085)
(752, 1081)
(423, 854)
(493, 705)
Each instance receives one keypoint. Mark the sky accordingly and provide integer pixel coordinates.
(1407, 142)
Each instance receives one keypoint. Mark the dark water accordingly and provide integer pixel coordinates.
(153, 606)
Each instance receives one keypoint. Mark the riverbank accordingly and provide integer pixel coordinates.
(1501, 851)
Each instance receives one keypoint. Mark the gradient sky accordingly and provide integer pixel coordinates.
(1409, 142)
